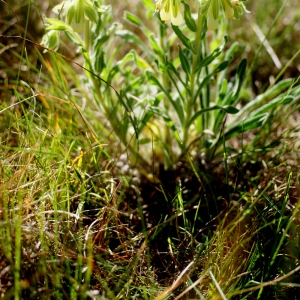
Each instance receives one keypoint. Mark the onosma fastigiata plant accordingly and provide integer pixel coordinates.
(174, 93)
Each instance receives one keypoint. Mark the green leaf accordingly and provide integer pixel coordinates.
(140, 62)
(135, 84)
(154, 80)
(235, 47)
(287, 100)
(51, 40)
(184, 62)
(240, 78)
(74, 37)
(133, 19)
(129, 36)
(278, 101)
(99, 62)
(120, 65)
(57, 25)
(247, 124)
(211, 57)
(185, 41)
(218, 69)
(228, 109)
(171, 67)
(219, 119)
(156, 47)
(223, 88)
(222, 66)
(149, 4)
(100, 42)
(265, 97)
(58, 8)
(189, 21)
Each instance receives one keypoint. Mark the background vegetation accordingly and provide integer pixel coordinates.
(83, 216)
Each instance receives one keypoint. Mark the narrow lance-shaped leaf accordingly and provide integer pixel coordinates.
(189, 21)
(137, 22)
(228, 109)
(155, 46)
(186, 42)
(280, 100)
(206, 80)
(74, 38)
(57, 25)
(133, 19)
(211, 57)
(240, 77)
(246, 124)
(149, 4)
(269, 94)
(184, 62)
(171, 67)
(235, 47)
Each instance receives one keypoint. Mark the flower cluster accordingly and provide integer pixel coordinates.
(171, 10)
(231, 9)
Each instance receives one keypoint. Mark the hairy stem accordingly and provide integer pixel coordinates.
(190, 100)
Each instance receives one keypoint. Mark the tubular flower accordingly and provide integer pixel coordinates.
(213, 13)
(76, 11)
(230, 8)
(170, 9)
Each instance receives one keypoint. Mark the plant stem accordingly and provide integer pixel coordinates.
(88, 66)
(166, 84)
(99, 94)
(190, 100)
(87, 36)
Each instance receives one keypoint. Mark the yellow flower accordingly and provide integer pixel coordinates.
(212, 22)
(228, 10)
(76, 11)
(228, 7)
(170, 10)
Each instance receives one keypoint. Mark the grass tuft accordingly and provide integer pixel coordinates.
(90, 211)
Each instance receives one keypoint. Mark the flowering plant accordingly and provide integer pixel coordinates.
(174, 93)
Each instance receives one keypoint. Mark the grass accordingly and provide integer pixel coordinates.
(79, 221)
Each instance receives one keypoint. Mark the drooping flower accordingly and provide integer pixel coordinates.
(227, 8)
(212, 8)
(75, 12)
(170, 10)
